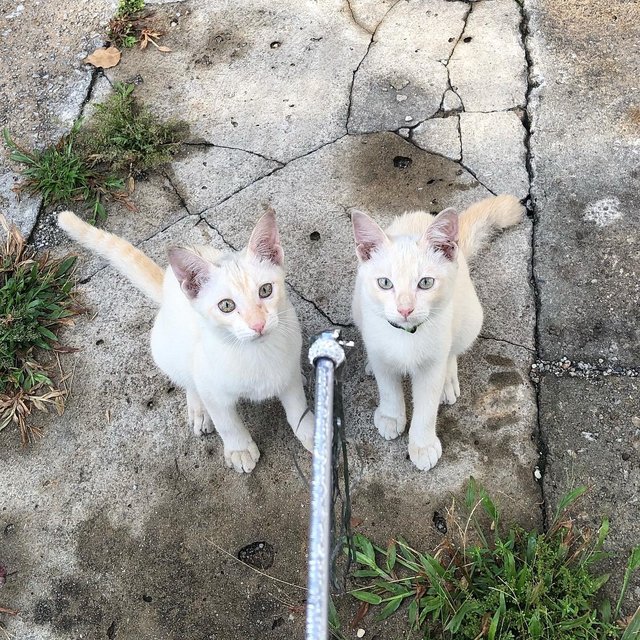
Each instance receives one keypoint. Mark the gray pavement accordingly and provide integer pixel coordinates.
(117, 521)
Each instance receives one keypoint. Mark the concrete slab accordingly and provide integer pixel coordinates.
(592, 428)
(403, 77)
(44, 82)
(488, 69)
(440, 136)
(587, 245)
(254, 76)
(493, 148)
(208, 175)
(117, 523)
(381, 173)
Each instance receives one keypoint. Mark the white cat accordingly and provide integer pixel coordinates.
(225, 330)
(417, 310)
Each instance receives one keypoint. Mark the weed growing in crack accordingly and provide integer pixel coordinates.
(123, 29)
(481, 583)
(36, 301)
(61, 174)
(128, 137)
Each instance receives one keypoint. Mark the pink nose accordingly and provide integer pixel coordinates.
(405, 312)
(258, 326)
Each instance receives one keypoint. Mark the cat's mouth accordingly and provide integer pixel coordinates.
(409, 329)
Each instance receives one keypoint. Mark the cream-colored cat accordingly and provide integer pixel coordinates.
(225, 330)
(417, 310)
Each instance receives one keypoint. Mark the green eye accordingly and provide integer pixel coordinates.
(227, 305)
(426, 283)
(385, 283)
(265, 290)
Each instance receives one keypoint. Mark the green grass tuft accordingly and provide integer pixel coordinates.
(126, 136)
(123, 30)
(35, 302)
(518, 585)
(62, 175)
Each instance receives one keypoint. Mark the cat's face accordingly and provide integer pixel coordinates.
(407, 278)
(240, 293)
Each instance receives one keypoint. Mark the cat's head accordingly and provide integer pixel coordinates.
(241, 293)
(408, 278)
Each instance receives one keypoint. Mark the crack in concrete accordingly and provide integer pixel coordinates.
(366, 53)
(460, 163)
(206, 143)
(270, 173)
(541, 440)
(138, 245)
(323, 313)
(352, 15)
(513, 344)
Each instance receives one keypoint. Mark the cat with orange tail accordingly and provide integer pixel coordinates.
(417, 310)
(225, 330)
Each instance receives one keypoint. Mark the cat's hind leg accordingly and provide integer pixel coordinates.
(199, 419)
(451, 390)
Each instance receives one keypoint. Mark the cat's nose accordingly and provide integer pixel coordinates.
(405, 312)
(257, 326)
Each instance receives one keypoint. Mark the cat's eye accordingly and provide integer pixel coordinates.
(385, 283)
(426, 283)
(227, 305)
(265, 290)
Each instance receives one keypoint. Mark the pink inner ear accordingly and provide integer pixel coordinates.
(368, 235)
(190, 270)
(442, 233)
(265, 240)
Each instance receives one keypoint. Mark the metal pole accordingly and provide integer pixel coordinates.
(325, 354)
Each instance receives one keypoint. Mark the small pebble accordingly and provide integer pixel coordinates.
(401, 97)
(408, 119)
(360, 633)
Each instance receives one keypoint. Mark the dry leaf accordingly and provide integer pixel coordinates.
(104, 58)
(163, 49)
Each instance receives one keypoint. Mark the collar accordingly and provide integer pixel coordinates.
(397, 326)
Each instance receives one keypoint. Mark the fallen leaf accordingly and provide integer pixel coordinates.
(104, 58)
(164, 49)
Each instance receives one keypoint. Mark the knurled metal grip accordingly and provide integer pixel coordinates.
(327, 345)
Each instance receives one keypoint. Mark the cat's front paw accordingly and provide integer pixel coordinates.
(243, 461)
(389, 427)
(451, 391)
(425, 457)
(305, 430)
(200, 421)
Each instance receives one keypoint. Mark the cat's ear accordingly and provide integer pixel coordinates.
(264, 242)
(190, 270)
(442, 233)
(368, 234)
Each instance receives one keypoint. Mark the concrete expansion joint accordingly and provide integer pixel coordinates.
(567, 368)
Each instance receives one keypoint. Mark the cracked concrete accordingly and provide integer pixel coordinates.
(114, 521)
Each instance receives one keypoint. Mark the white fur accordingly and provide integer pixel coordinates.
(252, 352)
(219, 360)
(448, 316)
